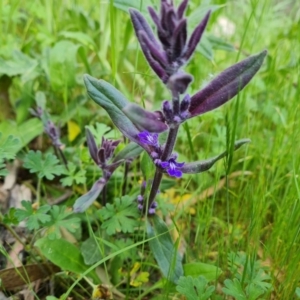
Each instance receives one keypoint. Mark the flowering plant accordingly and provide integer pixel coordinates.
(166, 54)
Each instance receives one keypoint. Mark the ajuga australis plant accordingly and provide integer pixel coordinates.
(167, 53)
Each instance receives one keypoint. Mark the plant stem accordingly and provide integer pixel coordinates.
(166, 154)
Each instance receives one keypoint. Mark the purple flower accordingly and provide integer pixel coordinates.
(149, 138)
(152, 208)
(172, 167)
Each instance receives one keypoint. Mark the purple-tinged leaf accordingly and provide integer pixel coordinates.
(185, 103)
(226, 85)
(204, 165)
(91, 145)
(143, 119)
(156, 52)
(179, 82)
(154, 17)
(156, 67)
(113, 102)
(179, 36)
(195, 38)
(86, 200)
(181, 8)
(141, 24)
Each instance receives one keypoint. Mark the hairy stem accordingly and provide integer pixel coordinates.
(166, 154)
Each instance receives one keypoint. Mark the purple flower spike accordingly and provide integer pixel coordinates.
(149, 138)
(172, 167)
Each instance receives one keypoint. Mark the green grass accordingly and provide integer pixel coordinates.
(256, 210)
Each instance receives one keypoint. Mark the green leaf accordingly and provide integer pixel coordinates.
(131, 150)
(80, 37)
(8, 147)
(147, 166)
(25, 131)
(60, 219)
(137, 4)
(204, 165)
(121, 216)
(194, 288)
(10, 217)
(62, 65)
(73, 176)
(109, 98)
(235, 289)
(219, 44)
(19, 64)
(164, 250)
(47, 167)
(253, 291)
(210, 272)
(35, 218)
(63, 254)
(90, 251)
(86, 200)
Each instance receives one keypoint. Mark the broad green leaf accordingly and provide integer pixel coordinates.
(25, 131)
(123, 114)
(18, 64)
(90, 251)
(63, 254)
(164, 250)
(113, 102)
(204, 165)
(210, 272)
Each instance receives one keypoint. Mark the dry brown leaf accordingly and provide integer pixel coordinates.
(17, 277)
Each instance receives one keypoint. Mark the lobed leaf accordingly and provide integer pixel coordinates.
(226, 85)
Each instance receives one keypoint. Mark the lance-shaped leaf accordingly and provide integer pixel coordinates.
(226, 85)
(114, 102)
(130, 151)
(196, 37)
(204, 165)
(141, 24)
(86, 200)
(164, 250)
(143, 119)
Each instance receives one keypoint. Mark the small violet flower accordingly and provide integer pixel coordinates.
(172, 167)
(149, 138)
